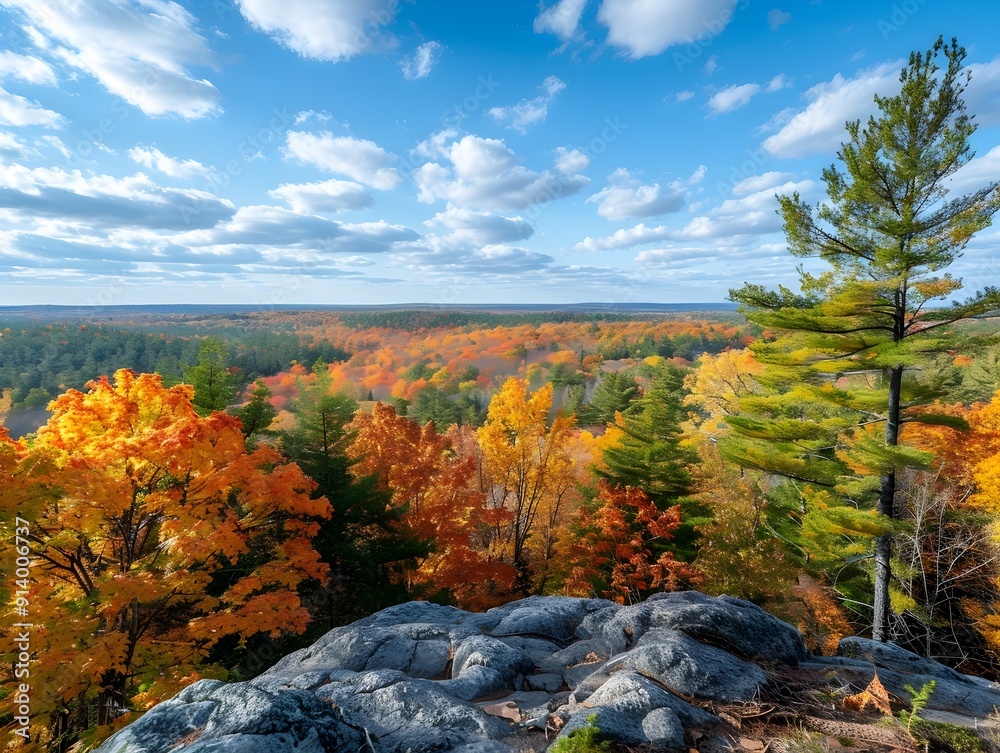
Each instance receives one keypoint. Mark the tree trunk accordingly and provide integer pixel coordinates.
(886, 506)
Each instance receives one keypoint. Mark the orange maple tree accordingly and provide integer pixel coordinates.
(443, 504)
(618, 555)
(154, 535)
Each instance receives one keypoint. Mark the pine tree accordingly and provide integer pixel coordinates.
(214, 386)
(650, 456)
(363, 541)
(856, 335)
(258, 413)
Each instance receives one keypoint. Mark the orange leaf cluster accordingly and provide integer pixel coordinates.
(154, 535)
(442, 499)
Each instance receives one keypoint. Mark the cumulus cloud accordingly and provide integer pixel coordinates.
(626, 197)
(105, 201)
(326, 196)
(423, 60)
(647, 27)
(324, 30)
(528, 112)
(276, 227)
(758, 183)
(737, 220)
(732, 98)
(751, 214)
(481, 228)
(11, 146)
(139, 51)
(820, 126)
(561, 19)
(977, 173)
(569, 161)
(27, 68)
(626, 238)
(358, 159)
(485, 174)
(154, 159)
(982, 98)
(15, 110)
(684, 96)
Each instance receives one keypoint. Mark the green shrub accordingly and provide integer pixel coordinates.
(583, 740)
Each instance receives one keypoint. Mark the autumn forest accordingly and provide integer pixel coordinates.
(197, 494)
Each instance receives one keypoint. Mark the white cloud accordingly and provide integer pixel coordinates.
(325, 196)
(481, 228)
(436, 145)
(569, 161)
(101, 201)
(626, 238)
(275, 227)
(15, 110)
(359, 159)
(820, 126)
(27, 68)
(561, 19)
(485, 174)
(777, 83)
(982, 97)
(11, 146)
(627, 197)
(749, 215)
(738, 220)
(977, 173)
(528, 112)
(710, 65)
(776, 17)
(138, 51)
(425, 57)
(732, 98)
(684, 96)
(325, 29)
(648, 27)
(154, 159)
(758, 183)
(304, 116)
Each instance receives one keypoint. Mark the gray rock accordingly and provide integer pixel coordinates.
(891, 656)
(402, 714)
(210, 716)
(405, 679)
(548, 682)
(419, 649)
(685, 666)
(484, 666)
(553, 617)
(634, 710)
(736, 625)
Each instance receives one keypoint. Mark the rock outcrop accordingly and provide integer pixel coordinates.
(421, 677)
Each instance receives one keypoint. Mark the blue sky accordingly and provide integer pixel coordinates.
(388, 151)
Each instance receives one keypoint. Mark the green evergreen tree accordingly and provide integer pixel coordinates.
(258, 413)
(215, 387)
(651, 457)
(613, 394)
(362, 541)
(857, 334)
(431, 404)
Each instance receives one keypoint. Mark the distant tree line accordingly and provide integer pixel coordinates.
(38, 362)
